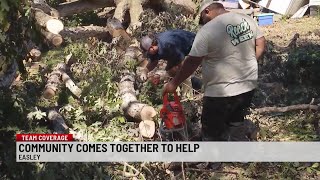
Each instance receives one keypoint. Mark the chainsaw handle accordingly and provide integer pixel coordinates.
(176, 98)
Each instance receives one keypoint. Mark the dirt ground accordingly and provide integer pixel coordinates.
(282, 31)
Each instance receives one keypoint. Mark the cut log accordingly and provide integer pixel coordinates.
(147, 128)
(52, 39)
(35, 54)
(49, 23)
(54, 26)
(57, 121)
(287, 108)
(82, 32)
(57, 76)
(130, 105)
(33, 51)
(54, 81)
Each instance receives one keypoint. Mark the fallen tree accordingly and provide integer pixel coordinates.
(133, 7)
(81, 32)
(131, 107)
(287, 108)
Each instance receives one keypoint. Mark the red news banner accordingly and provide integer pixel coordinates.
(43, 137)
(38, 138)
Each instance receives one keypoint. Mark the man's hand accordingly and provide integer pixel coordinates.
(189, 65)
(142, 73)
(143, 76)
(170, 87)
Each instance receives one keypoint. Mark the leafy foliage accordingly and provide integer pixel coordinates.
(303, 66)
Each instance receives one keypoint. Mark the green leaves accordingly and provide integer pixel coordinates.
(4, 5)
(315, 165)
(37, 114)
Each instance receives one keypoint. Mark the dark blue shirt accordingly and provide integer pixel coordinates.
(173, 46)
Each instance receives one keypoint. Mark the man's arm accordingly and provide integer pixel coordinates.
(260, 47)
(189, 66)
(151, 65)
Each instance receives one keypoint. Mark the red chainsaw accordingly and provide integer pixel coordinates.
(172, 113)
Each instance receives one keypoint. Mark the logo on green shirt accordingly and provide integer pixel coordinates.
(240, 32)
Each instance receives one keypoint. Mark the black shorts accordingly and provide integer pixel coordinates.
(220, 113)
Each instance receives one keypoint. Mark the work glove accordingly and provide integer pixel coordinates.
(142, 73)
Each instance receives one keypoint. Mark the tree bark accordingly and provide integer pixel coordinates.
(80, 6)
(33, 51)
(81, 32)
(56, 77)
(52, 39)
(46, 9)
(130, 105)
(53, 81)
(187, 6)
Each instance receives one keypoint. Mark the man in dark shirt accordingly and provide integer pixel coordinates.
(172, 46)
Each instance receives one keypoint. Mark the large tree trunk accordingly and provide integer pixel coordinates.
(134, 7)
(80, 6)
(81, 32)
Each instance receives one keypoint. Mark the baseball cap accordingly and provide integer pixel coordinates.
(146, 43)
(207, 3)
(204, 5)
